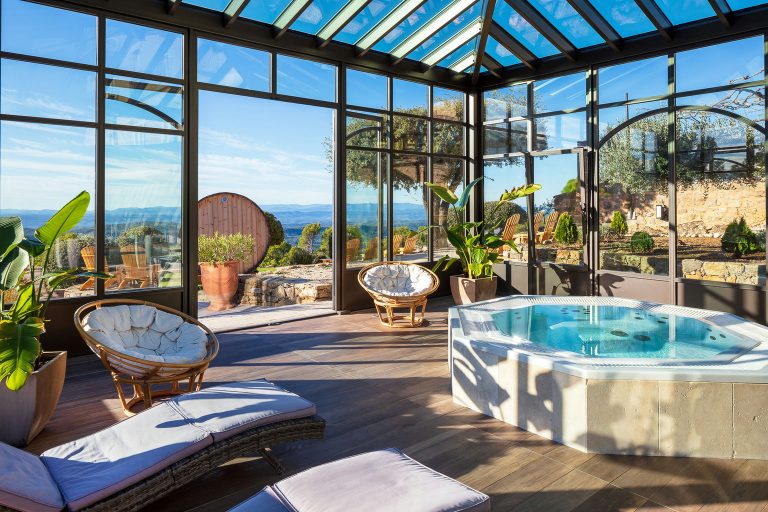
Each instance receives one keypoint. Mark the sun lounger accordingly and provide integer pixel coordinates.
(141, 459)
(385, 480)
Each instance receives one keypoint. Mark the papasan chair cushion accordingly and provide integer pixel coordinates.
(398, 280)
(147, 333)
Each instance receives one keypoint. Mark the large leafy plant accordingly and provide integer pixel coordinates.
(477, 243)
(23, 321)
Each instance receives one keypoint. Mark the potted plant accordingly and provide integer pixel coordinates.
(33, 378)
(477, 244)
(220, 257)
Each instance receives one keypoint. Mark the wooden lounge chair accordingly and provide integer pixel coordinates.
(549, 228)
(397, 242)
(372, 249)
(136, 269)
(509, 230)
(145, 345)
(139, 460)
(367, 482)
(410, 244)
(522, 238)
(395, 285)
(89, 259)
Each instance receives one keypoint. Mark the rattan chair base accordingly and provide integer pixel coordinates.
(390, 319)
(251, 442)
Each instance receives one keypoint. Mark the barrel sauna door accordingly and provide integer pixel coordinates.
(228, 213)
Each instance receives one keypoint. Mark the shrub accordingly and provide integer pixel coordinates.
(276, 232)
(308, 236)
(641, 243)
(566, 231)
(276, 254)
(326, 239)
(136, 234)
(222, 248)
(298, 256)
(739, 239)
(495, 215)
(619, 224)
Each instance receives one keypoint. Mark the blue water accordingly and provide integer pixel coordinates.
(619, 332)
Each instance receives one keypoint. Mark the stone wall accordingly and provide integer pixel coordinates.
(728, 272)
(656, 265)
(701, 212)
(278, 290)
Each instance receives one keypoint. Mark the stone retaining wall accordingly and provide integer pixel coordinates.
(726, 272)
(276, 290)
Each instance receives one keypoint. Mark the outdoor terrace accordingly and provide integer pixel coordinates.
(380, 388)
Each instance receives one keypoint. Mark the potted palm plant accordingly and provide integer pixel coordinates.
(33, 378)
(220, 257)
(477, 244)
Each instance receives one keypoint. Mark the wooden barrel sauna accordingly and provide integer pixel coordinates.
(228, 213)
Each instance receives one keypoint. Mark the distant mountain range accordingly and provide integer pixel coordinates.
(293, 217)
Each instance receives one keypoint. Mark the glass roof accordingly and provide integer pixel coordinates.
(447, 33)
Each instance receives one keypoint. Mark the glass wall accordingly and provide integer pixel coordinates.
(400, 135)
(51, 131)
(717, 116)
(272, 160)
(536, 129)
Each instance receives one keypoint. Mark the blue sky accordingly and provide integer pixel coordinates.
(267, 150)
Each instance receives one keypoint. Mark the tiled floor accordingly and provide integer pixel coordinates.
(379, 388)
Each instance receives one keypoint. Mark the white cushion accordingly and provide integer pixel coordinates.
(97, 466)
(26, 484)
(147, 333)
(241, 406)
(381, 481)
(399, 280)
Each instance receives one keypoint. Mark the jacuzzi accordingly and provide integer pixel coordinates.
(618, 376)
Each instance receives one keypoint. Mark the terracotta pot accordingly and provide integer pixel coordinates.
(24, 413)
(468, 291)
(220, 284)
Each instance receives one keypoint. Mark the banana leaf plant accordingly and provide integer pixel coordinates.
(477, 244)
(23, 321)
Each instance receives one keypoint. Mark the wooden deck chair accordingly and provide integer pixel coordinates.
(353, 247)
(410, 244)
(509, 230)
(397, 242)
(549, 228)
(372, 249)
(88, 254)
(522, 238)
(136, 269)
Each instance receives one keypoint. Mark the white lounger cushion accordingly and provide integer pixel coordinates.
(102, 464)
(243, 405)
(399, 280)
(381, 481)
(147, 333)
(26, 484)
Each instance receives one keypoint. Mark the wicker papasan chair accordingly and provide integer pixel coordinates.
(143, 344)
(394, 285)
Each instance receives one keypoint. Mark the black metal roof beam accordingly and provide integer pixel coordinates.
(596, 20)
(723, 11)
(746, 22)
(172, 5)
(482, 41)
(544, 27)
(514, 46)
(492, 65)
(340, 20)
(233, 10)
(656, 16)
(290, 14)
(260, 34)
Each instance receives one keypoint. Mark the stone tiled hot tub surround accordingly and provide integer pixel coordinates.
(692, 410)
